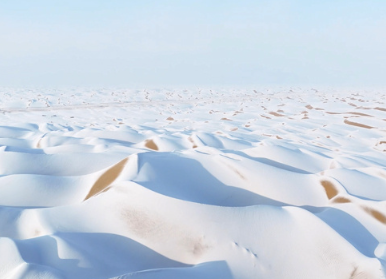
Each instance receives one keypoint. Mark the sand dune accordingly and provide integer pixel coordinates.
(195, 183)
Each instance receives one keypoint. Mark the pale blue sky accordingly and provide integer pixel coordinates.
(165, 43)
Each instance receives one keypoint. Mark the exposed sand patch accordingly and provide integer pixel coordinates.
(366, 108)
(381, 109)
(106, 179)
(360, 114)
(348, 122)
(194, 145)
(341, 200)
(376, 214)
(151, 145)
(276, 114)
(330, 189)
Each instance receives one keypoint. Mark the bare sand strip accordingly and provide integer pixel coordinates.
(106, 179)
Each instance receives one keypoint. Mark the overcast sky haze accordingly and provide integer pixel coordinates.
(218, 42)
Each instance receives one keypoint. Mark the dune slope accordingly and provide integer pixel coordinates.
(198, 183)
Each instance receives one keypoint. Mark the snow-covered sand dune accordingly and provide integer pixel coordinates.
(192, 184)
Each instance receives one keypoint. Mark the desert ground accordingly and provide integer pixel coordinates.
(192, 183)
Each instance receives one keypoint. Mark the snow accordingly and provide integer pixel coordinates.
(192, 183)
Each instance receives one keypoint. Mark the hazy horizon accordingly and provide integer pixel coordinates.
(203, 43)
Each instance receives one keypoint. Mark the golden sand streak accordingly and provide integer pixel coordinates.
(330, 189)
(357, 124)
(360, 114)
(276, 114)
(107, 178)
(376, 214)
(341, 200)
(381, 109)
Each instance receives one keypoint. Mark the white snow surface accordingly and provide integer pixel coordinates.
(192, 183)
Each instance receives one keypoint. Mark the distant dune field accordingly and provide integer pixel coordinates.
(195, 183)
